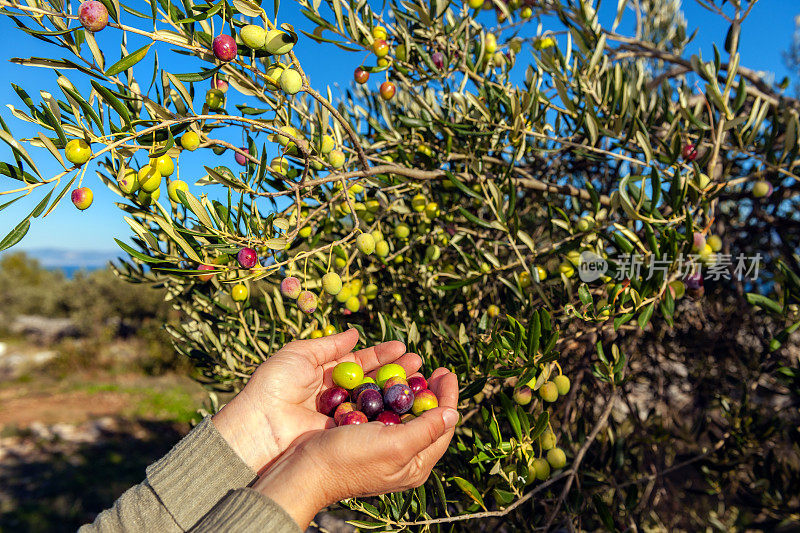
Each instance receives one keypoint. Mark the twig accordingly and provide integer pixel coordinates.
(487, 514)
(570, 474)
(573, 471)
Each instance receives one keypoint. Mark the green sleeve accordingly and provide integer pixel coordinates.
(247, 511)
(180, 488)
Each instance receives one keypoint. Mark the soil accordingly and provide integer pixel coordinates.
(87, 397)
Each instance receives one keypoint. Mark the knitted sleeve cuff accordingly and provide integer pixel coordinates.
(199, 471)
(247, 511)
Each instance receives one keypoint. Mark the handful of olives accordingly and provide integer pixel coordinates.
(391, 398)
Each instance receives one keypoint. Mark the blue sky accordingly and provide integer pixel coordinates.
(766, 35)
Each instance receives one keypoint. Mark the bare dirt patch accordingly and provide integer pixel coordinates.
(87, 397)
(69, 408)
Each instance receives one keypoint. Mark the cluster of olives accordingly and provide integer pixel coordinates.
(390, 398)
(555, 457)
(706, 247)
(366, 209)
(144, 186)
(323, 145)
(525, 277)
(524, 7)
(322, 150)
(274, 42)
(146, 183)
(549, 391)
(349, 294)
(247, 258)
(292, 288)
(281, 76)
(353, 295)
(381, 48)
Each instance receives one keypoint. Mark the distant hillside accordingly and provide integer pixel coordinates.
(70, 261)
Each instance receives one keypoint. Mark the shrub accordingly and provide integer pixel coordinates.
(102, 307)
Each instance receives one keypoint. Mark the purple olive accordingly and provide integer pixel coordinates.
(370, 402)
(342, 411)
(361, 388)
(224, 47)
(247, 257)
(694, 285)
(240, 158)
(417, 384)
(331, 398)
(353, 417)
(93, 15)
(399, 398)
(694, 281)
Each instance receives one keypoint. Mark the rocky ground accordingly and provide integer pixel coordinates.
(69, 445)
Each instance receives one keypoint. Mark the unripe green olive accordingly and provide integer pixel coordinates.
(278, 42)
(548, 391)
(382, 248)
(562, 384)
(173, 188)
(128, 182)
(274, 72)
(336, 158)
(366, 243)
(557, 458)
(253, 36)
(291, 82)
(332, 283)
(326, 145)
(77, 151)
(433, 252)
(347, 375)
(541, 469)
(402, 231)
(548, 440)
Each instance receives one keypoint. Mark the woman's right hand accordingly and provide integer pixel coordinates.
(279, 402)
(323, 467)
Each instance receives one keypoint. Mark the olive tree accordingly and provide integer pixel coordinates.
(520, 196)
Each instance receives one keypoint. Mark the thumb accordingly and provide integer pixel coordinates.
(418, 434)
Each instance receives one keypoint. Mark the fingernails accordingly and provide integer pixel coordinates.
(450, 417)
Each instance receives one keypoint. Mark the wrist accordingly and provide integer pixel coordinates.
(293, 484)
(247, 432)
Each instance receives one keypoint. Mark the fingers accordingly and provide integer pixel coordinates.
(431, 455)
(444, 384)
(411, 362)
(376, 356)
(325, 349)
